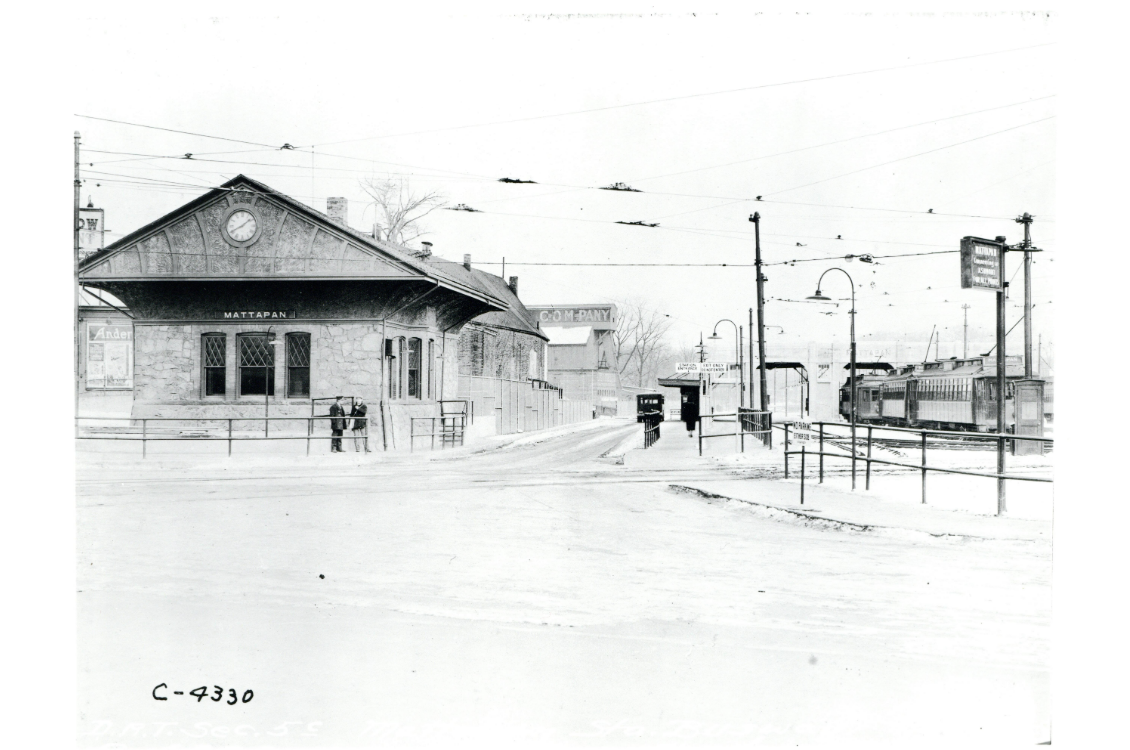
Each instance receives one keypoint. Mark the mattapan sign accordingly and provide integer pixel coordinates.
(600, 317)
(982, 264)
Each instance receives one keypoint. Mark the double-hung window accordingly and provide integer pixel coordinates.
(414, 382)
(256, 365)
(298, 365)
(215, 364)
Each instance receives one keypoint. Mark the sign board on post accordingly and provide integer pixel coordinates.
(694, 368)
(982, 264)
(802, 432)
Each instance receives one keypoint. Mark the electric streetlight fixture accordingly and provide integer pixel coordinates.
(819, 297)
(738, 352)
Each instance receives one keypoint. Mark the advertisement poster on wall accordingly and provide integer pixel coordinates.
(109, 357)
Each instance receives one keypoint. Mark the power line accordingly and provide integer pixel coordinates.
(844, 140)
(912, 156)
(181, 132)
(683, 97)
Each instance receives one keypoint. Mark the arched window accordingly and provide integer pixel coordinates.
(256, 365)
(215, 350)
(298, 365)
(533, 370)
(415, 384)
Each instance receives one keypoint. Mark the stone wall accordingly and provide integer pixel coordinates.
(500, 353)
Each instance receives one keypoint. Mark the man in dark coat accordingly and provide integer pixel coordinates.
(337, 425)
(360, 425)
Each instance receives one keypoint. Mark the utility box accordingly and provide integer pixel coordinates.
(1029, 409)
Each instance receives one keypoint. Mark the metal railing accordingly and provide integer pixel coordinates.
(962, 438)
(206, 435)
(451, 430)
(751, 422)
(651, 424)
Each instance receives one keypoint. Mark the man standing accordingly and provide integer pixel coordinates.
(360, 425)
(337, 425)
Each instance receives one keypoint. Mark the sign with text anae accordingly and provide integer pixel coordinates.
(689, 368)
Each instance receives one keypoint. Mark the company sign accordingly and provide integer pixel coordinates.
(982, 264)
(597, 316)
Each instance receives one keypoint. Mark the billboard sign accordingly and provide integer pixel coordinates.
(109, 357)
(982, 264)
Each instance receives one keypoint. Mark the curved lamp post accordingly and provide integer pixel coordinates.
(738, 351)
(272, 343)
(820, 297)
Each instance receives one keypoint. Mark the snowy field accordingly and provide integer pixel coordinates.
(562, 588)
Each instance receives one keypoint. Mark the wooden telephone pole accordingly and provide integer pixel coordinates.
(75, 228)
(965, 333)
(1026, 246)
(756, 219)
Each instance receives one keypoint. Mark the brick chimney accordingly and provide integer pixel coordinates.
(338, 210)
(425, 250)
(513, 285)
(467, 261)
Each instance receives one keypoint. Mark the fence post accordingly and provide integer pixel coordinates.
(434, 432)
(229, 438)
(821, 424)
(923, 467)
(309, 432)
(802, 452)
(786, 450)
(143, 442)
(700, 435)
(867, 480)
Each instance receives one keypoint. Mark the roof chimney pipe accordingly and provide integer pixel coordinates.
(425, 249)
(467, 261)
(513, 285)
(338, 210)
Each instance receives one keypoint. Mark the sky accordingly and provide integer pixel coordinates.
(880, 134)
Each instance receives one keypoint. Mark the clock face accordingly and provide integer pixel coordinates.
(241, 226)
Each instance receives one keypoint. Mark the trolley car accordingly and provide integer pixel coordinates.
(951, 394)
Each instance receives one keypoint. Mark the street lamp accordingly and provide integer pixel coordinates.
(851, 378)
(738, 352)
(267, 380)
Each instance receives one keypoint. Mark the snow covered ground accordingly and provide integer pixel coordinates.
(553, 588)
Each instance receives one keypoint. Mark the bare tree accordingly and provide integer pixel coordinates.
(640, 341)
(399, 209)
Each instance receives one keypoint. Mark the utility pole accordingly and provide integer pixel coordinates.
(965, 333)
(1026, 246)
(756, 219)
(75, 227)
(1001, 376)
(1040, 356)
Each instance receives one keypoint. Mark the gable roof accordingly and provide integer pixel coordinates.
(294, 241)
(515, 317)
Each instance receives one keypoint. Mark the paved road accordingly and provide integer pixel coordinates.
(536, 592)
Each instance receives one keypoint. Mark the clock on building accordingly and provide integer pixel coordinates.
(241, 225)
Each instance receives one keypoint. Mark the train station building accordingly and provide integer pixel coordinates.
(245, 299)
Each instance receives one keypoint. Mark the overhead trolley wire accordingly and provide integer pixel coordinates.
(683, 97)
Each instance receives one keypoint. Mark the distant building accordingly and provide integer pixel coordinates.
(91, 230)
(582, 355)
